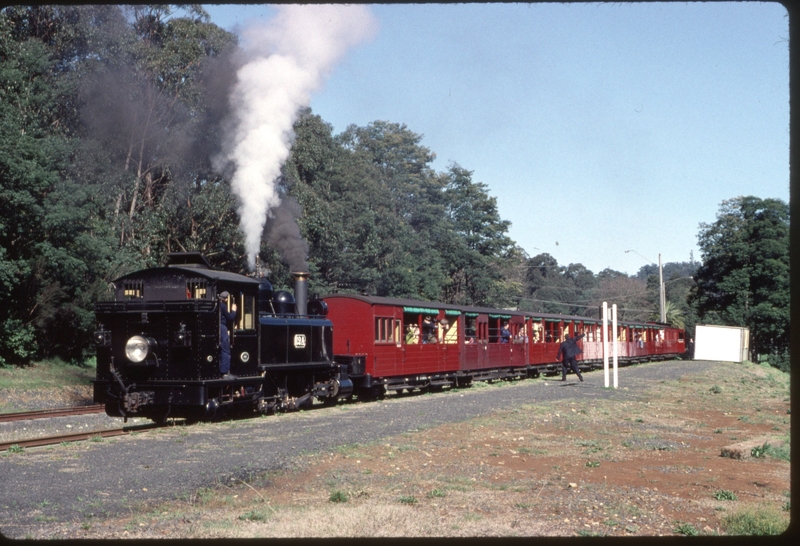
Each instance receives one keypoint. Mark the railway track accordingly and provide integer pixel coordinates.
(50, 413)
(75, 437)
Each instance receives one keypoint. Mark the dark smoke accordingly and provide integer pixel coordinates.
(283, 234)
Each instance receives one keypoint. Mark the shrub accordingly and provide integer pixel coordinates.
(338, 496)
(722, 494)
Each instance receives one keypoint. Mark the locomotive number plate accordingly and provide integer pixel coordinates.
(299, 341)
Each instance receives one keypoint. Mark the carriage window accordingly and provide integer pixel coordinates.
(470, 330)
(387, 330)
(133, 290)
(538, 337)
(196, 289)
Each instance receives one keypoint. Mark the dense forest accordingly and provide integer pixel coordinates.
(110, 122)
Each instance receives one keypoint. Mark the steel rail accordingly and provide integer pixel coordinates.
(48, 413)
(75, 437)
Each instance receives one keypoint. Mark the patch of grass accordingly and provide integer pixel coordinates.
(716, 389)
(47, 374)
(686, 529)
(593, 464)
(254, 515)
(764, 521)
(338, 496)
(16, 448)
(408, 499)
(780, 452)
(585, 533)
(722, 494)
(436, 493)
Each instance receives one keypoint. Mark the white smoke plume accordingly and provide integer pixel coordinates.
(285, 61)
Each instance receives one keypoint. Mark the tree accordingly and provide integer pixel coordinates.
(104, 126)
(552, 288)
(744, 278)
(31, 153)
(476, 247)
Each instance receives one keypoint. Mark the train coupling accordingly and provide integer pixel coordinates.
(132, 401)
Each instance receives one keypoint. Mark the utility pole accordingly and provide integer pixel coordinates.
(662, 295)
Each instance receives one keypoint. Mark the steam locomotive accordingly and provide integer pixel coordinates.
(158, 344)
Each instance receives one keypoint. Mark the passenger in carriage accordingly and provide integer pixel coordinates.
(412, 334)
(428, 330)
(449, 332)
(505, 334)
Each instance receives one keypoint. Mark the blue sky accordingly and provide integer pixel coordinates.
(599, 128)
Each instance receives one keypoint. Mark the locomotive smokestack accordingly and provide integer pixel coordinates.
(301, 291)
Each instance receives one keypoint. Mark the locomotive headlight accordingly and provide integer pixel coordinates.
(137, 349)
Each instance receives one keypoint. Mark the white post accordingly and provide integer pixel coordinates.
(605, 342)
(614, 340)
(661, 293)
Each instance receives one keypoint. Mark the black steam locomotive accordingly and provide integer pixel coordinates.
(158, 345)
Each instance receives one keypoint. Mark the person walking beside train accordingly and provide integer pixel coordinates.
(226, 318)
(567, 352)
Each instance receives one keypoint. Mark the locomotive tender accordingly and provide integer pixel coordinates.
(158, 344)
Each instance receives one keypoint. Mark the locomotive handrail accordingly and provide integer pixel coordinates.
(131, 305)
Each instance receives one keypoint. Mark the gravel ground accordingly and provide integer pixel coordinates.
(71, 483)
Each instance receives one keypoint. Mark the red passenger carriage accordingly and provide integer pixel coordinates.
(410, 344)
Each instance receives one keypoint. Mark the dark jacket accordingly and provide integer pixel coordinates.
(226, 318)
(569, 348)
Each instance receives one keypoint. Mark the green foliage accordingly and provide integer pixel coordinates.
(759, 452)
(744, 279)
(764, 521)
(723, 494)
(17, 342)
(338, 496)
(254, 515)
(686, 529)
(408, 499)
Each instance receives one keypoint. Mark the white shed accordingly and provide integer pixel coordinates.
(728, 343)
